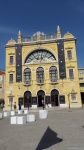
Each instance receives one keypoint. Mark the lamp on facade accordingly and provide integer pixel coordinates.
(11, 96)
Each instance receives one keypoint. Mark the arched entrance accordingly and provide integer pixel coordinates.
(54, 97)
(27, 99)
(40, 96)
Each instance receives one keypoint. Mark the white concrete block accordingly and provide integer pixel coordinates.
(43, 114)
(12, 113)
(21, 119)
(1, 115)
(6, 114)
(30, 118)
(19, 111)
(13, 120)
(26, 111)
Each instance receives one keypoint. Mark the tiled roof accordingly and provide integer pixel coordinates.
(2, 72)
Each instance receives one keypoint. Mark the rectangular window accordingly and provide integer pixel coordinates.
(11, 59)
(81, 84)
(11, 78)
(69, 54)
(10, 101)
(0, 78)
(71, 74)
(73, 97)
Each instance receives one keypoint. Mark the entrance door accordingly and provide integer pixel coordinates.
(27, 99)
(54, 97)
(40, 95)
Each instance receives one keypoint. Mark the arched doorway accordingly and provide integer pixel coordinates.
(54, 97)
(40, 96)
(27, 99)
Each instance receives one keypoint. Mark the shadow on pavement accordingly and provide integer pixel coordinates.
(49, 139)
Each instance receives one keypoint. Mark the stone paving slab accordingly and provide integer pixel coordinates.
(62, 130)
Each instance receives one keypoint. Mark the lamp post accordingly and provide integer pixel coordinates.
(11, 98)
(69, 99)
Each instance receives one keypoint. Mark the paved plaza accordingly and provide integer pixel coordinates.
(62, 130)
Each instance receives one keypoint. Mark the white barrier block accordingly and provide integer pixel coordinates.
(21, 119)
(30, 118)
(1, 116)
(43, 114)
(13, 120)
(19, 111)
(5, 114)
(12, 113)
(26, 111)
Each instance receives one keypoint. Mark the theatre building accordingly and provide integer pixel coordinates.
(42, 67)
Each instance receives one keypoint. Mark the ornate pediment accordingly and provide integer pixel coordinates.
(11, 71)
(70, 66)
(11, 41)
(69, 47)
(68, 35)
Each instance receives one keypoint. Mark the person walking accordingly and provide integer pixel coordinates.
(15, 106)
(43, 103)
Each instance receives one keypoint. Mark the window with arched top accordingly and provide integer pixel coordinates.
(27, 75)
(40, 75)
(53, 74)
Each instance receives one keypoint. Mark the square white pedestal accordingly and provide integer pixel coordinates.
(43, 114)
(26, 111)
(6, 114)
(30, 118)
(13, 120)
(1, 116)
(19, 111)
(12, 113)
(21, 119)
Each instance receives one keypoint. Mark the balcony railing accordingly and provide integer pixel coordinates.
(54, 80)
(27, 82)
(42, 38)
(40, 81)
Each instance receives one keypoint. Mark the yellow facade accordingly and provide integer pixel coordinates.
(60, 88)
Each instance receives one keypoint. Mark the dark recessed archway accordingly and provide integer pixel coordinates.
(27, 99)
(40, 95)
(54, 97)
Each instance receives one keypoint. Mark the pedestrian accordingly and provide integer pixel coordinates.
(43, 103)
(15, 106)
(47, 102)
(19, 105)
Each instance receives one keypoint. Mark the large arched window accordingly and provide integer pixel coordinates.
(40, 75)
(27, 75)
(41, 55)
(53, 73)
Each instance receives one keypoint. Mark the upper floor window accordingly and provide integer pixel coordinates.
(69, 54)
(71, 74)
(11, 60)
(0, 78)
(81, 71)
(40, 75)
(81, 84)
(11, 78)
(53, 73)
(27, 75)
